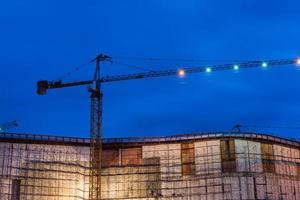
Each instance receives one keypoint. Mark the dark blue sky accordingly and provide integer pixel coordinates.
(45, 39)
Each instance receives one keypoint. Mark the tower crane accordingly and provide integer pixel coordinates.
(8, 125)
(96, 101)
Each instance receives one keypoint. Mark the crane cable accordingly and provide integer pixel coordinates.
(175, 59)
(67, 74)
(132, 66)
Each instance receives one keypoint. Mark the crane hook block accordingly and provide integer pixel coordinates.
(42, 87)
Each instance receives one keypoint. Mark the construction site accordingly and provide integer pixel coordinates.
(150, 100)
(232, 165)
(225, 165)
(210, 166)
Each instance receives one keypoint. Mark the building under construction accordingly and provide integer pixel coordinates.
(209, 166)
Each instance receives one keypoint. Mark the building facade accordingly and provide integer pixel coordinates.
(208, 166)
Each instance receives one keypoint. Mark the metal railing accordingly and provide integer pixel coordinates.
(157, 139)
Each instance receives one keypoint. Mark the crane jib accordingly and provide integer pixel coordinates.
(44, 85)
(189, 70)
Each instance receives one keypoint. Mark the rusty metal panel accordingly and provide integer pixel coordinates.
(131, 156)
(110, 157)
(188, 158)
(267, 152)
(228, 156)
(188, 169)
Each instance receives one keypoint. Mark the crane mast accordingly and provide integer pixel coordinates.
(95, 122)
(96, 103)
(96, 133)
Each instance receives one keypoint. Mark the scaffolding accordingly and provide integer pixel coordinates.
(216, 166)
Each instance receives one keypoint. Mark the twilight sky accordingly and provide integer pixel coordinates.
(46, 39)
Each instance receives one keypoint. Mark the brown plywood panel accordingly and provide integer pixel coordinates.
(228, 156)
(227, 150)
(267, 152)
(187, 153)
(131, 156)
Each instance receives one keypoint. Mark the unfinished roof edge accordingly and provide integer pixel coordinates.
(47, 139)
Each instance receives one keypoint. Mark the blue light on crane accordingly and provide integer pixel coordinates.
(236, 67)
(264, 64)
(208, 69)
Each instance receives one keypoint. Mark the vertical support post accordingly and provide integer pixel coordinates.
(96, 136)
(15, 188)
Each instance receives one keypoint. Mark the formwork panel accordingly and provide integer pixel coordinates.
(248, 156)
(255, 159)
(242, 161)
(207, 157)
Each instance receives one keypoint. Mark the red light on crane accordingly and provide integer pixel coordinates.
(181, 72)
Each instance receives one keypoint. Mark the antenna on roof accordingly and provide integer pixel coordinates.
(237, 128)
(8, 125)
